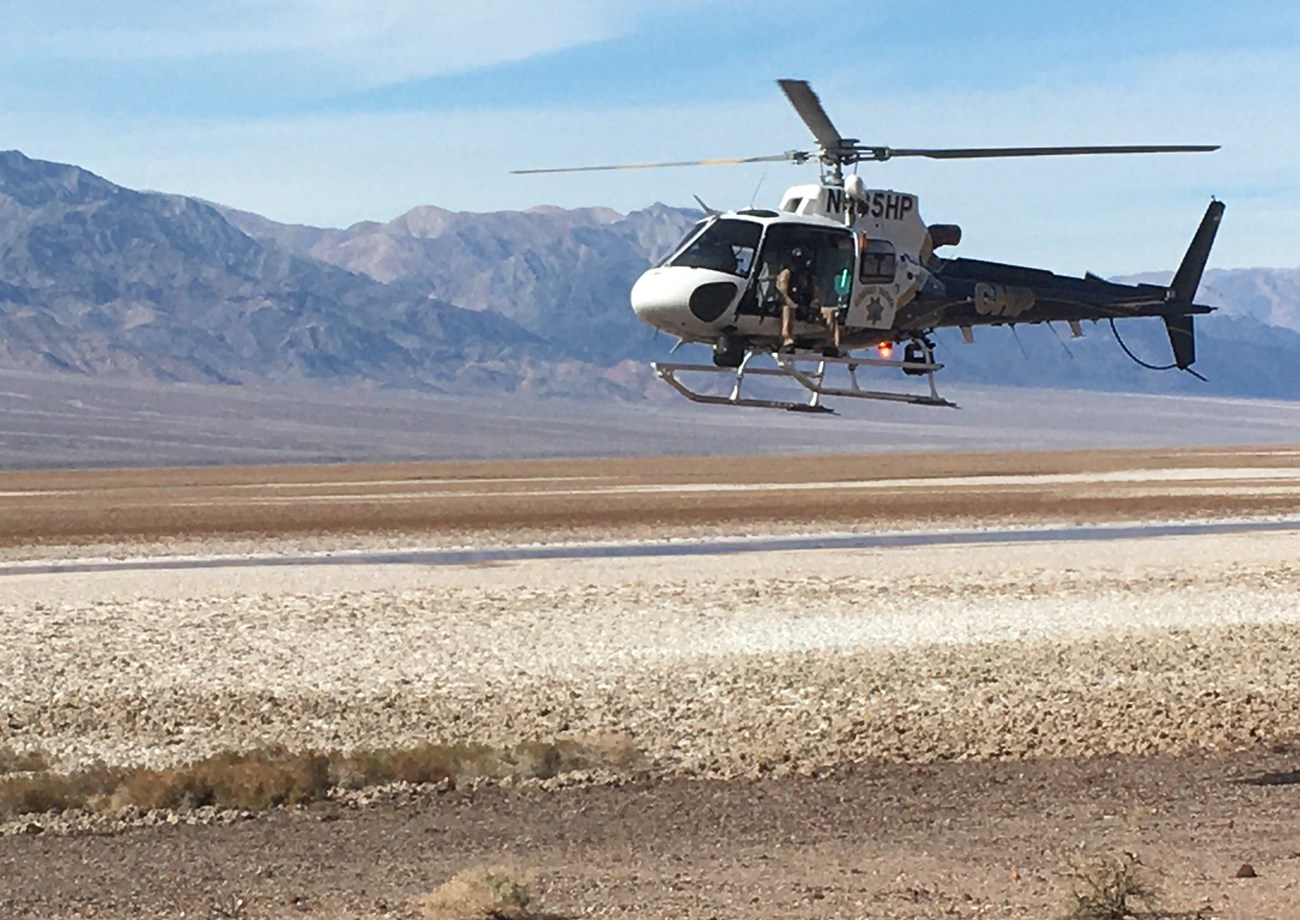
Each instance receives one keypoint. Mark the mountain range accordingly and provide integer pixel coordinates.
(98, 279)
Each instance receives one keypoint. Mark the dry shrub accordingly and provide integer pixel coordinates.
(56, 791)
(255, 781)
(423, 763)
(1109, 888)
(276, 776)
(614, 752)
(229, 907)
(545, 759)
(431, 763)
(12, 761)
(493, 893)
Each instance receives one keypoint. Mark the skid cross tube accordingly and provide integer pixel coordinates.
(815, 382)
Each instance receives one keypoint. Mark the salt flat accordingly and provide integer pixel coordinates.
(204, 511)
(65, 420)
(132, 667)
(967, 718)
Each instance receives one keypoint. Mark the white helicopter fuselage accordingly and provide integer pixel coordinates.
(838, 267)
(864, 250)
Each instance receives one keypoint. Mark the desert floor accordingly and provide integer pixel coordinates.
(921, 731)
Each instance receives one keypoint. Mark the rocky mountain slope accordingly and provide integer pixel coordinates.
(1268, 295)
(96, 278)
(561, 274)
(1238, 355)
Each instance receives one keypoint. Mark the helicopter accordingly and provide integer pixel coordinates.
(840, 275)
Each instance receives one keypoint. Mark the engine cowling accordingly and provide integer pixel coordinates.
(944, 235)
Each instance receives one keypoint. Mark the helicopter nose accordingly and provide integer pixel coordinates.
(684, 301)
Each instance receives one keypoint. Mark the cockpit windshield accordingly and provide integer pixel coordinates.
(685, 241)
(726, 245)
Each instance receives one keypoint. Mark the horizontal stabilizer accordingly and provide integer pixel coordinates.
(1188, 278)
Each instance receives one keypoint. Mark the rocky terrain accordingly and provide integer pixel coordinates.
(737, 667)
(946, 731)
(98, 279)
(1268, 295)
(950, 729)
(561, 274)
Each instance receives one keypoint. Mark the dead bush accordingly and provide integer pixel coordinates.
(545, 759)
(254, 781)
(267, 778)
(45, 791)
(12, 761)
(423, 763)
(1110, 887)
(494, 893)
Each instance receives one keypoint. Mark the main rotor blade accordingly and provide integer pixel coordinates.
(797, 156)
(971, 153)
(810, 109)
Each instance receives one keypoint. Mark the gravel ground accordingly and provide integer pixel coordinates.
(974, 839)
(714, 667)
(907, 732)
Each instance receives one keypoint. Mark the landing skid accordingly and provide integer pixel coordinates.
(812, 379)
(668, 374)
(815, 381)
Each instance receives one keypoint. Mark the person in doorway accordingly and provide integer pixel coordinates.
(797, 291)
(831, 317)
(831, 313)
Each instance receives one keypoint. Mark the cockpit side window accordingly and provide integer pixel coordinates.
(877, 262)
(727, 245)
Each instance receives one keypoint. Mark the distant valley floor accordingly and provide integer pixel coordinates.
(62, 420)
(332, 507)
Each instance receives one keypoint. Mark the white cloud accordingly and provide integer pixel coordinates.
(354, 42)
(402, 39)
(1109, 215)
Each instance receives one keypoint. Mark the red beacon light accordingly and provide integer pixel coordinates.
(886, 350)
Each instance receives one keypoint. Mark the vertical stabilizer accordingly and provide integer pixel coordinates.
(1188, 277)
(1182, 337)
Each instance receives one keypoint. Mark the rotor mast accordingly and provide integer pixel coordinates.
(833, 150)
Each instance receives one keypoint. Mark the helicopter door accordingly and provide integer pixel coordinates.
(875, 300)
(821, 259)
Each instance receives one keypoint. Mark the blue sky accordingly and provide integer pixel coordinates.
(333, 111)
